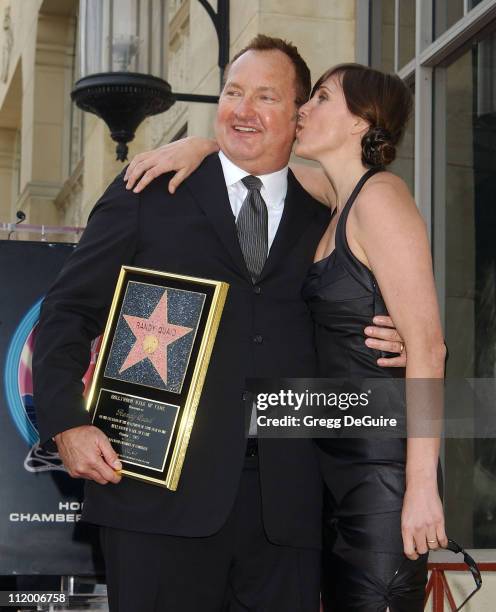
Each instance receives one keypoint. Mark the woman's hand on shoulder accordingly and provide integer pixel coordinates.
(182, 156)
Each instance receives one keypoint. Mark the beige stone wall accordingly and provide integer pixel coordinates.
(38, 171)
(18, 28)
(37, 46)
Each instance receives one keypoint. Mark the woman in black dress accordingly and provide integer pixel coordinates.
(383, 512)
(382, 508)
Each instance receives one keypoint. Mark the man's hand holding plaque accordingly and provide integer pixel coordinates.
(87, 453)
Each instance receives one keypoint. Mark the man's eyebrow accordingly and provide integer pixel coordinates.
(267, 88)
(261, 88)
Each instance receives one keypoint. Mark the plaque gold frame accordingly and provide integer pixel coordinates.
(187, 419)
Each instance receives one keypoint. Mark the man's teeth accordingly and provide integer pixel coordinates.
(244, 129)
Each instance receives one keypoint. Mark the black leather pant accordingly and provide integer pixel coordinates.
(364, 567)
(391, 582)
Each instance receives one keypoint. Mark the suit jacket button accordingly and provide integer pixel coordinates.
(257, 289)
(258, 339)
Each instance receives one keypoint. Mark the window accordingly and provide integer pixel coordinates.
(453, 168)
(393, 27)
(446, 13)
(406, 32)
(466, 152)
(404, 163)
(382, 40)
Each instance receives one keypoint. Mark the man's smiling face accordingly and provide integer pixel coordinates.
(256, 117)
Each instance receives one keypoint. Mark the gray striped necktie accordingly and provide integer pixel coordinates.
(252, 225)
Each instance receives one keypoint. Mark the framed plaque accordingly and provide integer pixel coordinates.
(151, 367)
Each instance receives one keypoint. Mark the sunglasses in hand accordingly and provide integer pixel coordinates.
(472, 566)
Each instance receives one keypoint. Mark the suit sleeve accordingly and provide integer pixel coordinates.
(75, 310)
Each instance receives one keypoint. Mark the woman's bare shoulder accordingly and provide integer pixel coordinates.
(383, 192)
(386, 183)
(385, 205)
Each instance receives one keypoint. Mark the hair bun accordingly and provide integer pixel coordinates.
(377, 147)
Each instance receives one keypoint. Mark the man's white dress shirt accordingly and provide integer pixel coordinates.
(275, 187)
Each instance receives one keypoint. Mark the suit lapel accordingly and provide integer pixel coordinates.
(296, 216)
(208, 187)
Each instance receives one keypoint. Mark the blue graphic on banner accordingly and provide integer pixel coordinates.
(21, 405)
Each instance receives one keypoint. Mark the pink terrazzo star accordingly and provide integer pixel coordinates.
(153, 335)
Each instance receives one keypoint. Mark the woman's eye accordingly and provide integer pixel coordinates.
(322, 98)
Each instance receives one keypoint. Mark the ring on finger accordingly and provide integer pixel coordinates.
(402, 347)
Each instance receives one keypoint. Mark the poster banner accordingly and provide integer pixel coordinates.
(40, 505)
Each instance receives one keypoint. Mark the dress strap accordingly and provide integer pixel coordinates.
(357, 189)
(354, 265)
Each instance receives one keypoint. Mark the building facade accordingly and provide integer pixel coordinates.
(55, 161)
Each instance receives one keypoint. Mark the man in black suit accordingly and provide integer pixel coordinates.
(242, 532)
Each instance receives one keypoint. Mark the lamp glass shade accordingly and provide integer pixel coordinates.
(123, 36)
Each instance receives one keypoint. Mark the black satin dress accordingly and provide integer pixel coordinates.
(364, 568)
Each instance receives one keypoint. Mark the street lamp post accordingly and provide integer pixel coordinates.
(123, 62)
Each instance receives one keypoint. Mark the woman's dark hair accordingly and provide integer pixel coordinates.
(382, 100)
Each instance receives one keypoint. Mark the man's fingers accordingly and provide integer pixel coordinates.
(383, 321)
(108, 453)
(98, 471)
(96, 476)
(88, 471)
(107, 474)
(386, 339)
(383, 333)
(384, 345)
(102, 474)
(392, 362)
